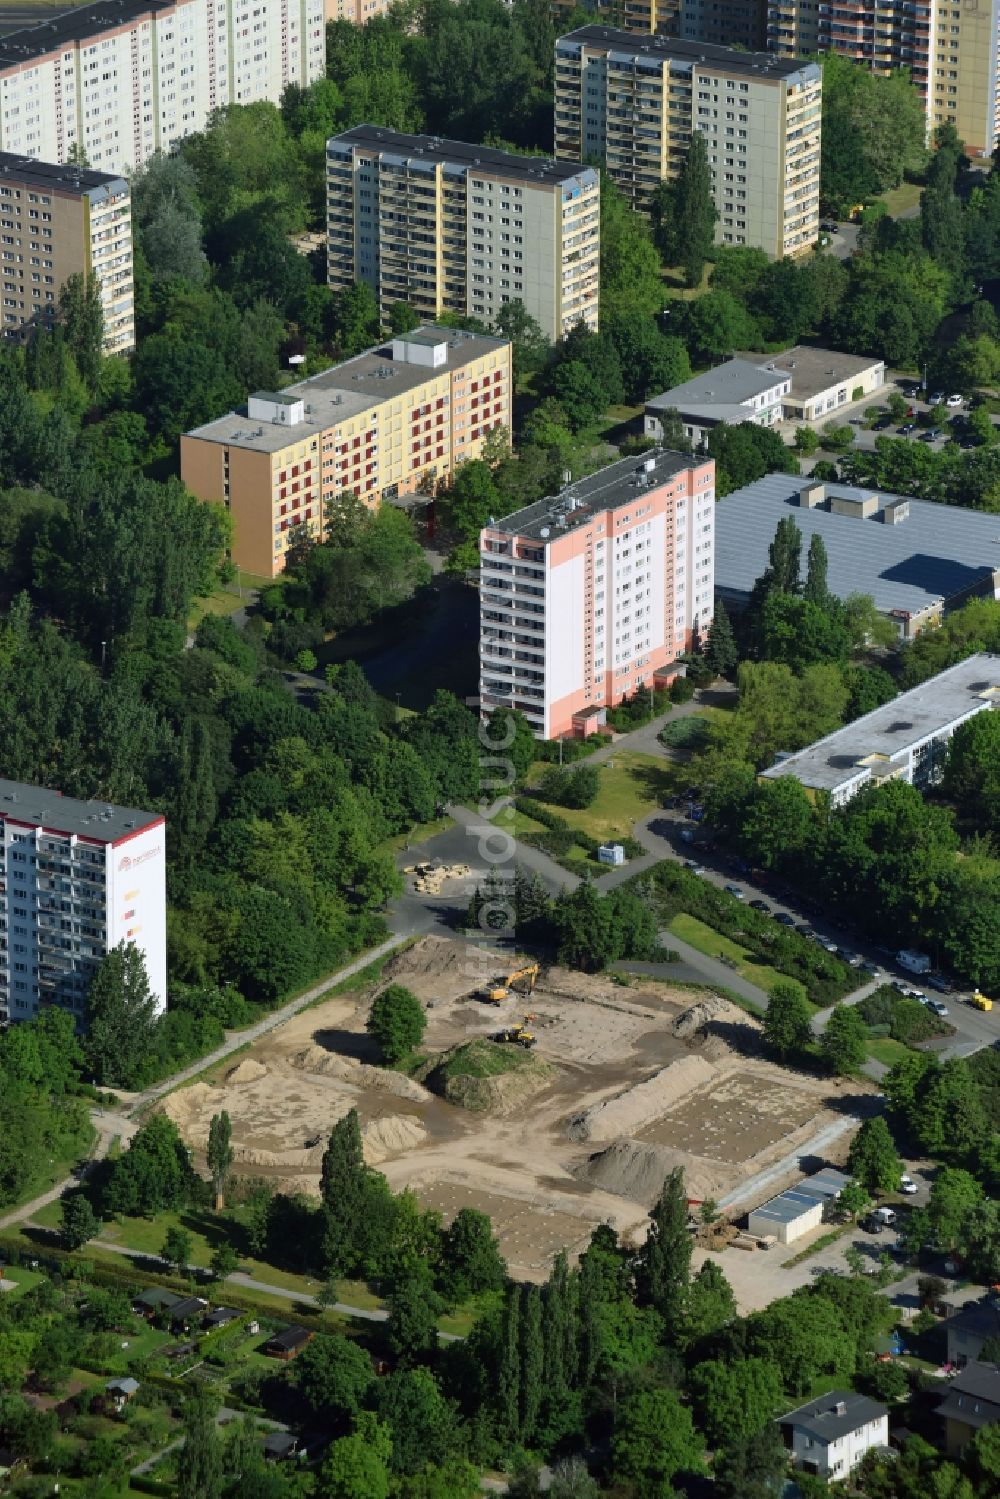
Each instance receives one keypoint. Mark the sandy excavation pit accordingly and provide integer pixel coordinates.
(644, 1077)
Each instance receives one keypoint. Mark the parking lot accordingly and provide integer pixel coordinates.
(684, 838)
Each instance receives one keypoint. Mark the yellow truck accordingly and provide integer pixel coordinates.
(980, 1001)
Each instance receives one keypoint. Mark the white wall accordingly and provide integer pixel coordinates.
(137, 902)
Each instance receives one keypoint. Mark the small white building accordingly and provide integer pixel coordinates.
(611, 853)
(740, 390)
(829, 1436)
(799, 1209)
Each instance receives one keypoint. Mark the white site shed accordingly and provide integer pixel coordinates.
(799, 1209)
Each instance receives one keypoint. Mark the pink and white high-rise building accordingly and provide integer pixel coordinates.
(590, 595)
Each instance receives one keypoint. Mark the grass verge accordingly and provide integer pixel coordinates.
(714, 945)
(823, 1242)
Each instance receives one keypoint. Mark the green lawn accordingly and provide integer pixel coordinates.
(226, 599)
(714, 945)
(25, 1280)
(632, 784)
(147, 1234)
(899, 199)
(885, 1049)
(418, 834)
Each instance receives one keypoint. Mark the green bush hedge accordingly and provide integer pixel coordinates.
(824, 977)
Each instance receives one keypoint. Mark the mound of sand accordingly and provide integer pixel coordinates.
(317, 1060)
(697, 1016)
(439, 970)
(637, 1171)
(488, 1077)
(392, 1135)
(247, 1071)
(186, 1106)
(632, 1110)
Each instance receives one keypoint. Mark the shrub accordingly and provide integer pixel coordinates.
(681, 690)
(571, 788)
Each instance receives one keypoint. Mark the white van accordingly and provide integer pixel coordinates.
(913, 962)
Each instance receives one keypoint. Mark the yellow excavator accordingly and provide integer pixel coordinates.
(499, 989)
(518, 1035)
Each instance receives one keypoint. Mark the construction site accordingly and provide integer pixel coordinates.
(553, 1101)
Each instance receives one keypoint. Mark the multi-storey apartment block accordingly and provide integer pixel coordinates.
(448, 227)
(393, 421)
(56, 222)
(951, 48)
(358, 12)
(633, 104)
(589, 596)
(76, 879)
(120, 79)
(730, 23)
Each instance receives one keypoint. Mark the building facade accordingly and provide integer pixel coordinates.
(589, 596)
(904, 740)
(633, 103)
(58, 221)
(384, 425)
(831, 1435)
(77, 878)
(735, 392)
(950, 47)
(120, 79)
(449, 227)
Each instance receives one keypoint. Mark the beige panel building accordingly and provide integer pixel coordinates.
(633, 104)
(449, 227)
(358, 12)
(951, 48)
(386, 424)
(57, 221)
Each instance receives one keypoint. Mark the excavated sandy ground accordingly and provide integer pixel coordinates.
(645, 1079)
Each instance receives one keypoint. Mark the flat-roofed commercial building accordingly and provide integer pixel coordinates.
(823, 380)
(59, 221)
(392, 421)
(951, 49)
(905, 740)
(449, 227)
(120, 79)
(735, 392)
(632, 103)
(914, 558)
(589, 596)
(76, 879)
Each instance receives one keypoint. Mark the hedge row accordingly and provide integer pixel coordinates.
(560, 837)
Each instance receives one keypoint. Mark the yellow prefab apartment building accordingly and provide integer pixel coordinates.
(388, 423)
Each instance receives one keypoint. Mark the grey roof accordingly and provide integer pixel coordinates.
(788, 1206)
(878, 738)
(825, 1185)
(981, 1318)
(825, 1421)
(290, 1337)
(157, 1296)
(222, 1315)
(813, 369)
(730, 384)
(761, 65)
(49, 177)
(99, 821)
(974, 1395)
(125, 1386)
(190, 1306)
(937, 553)
(56, 32)
(578, 502)
(536, 171)
(345, 390)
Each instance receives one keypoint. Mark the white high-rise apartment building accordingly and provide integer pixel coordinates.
(120, 79)
(590, 596)
(632, 103)
(76, 879)
(449, 227)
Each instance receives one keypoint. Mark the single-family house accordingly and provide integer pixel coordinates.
(970, 1328)
(829, 1436)
(972, 1401)
(183, 1313)
(118, 1393)
(221, 1317)
(279, 1445)
(288, 1344)
(154, 1300)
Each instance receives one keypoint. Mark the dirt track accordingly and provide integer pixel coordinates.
(629, 1099)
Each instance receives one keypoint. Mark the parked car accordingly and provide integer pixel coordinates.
(869, 967)
(935, 981)
(936, 397)
(687, 835)
(805, 930)
(829, 945)
(937, 1006)
(853, 959)
(829, 226)
(955, 400)
(907, 1185)
(734, 891)
(760, 905)
(783, 918)
(691, 864)
(931, 435)
(883, 424)
(906, 429)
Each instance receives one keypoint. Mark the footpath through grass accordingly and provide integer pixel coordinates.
(714, 945)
